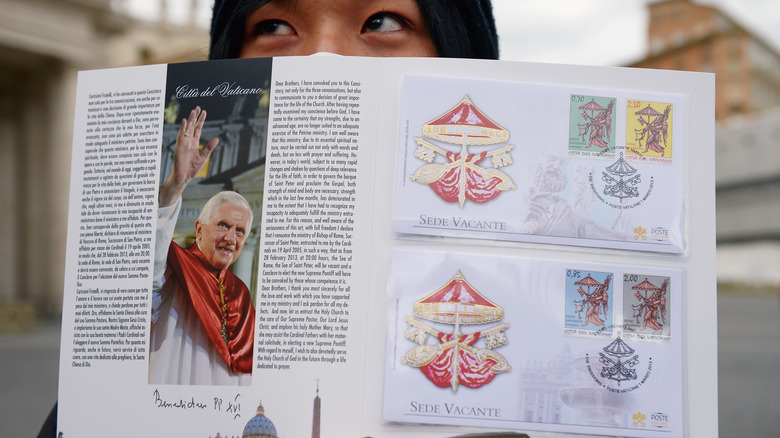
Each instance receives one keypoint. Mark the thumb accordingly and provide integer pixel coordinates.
(209, 147)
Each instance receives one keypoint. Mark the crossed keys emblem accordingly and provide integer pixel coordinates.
(427, 151)
(455, 359)
(616, 369)
(418, 332)
(461, 177)
(620, 187)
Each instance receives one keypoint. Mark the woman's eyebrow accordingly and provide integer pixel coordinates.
(286, 4)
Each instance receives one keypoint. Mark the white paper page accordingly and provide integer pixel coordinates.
(541, 163)
(319, 198)
(307, 342)
(699, 391)
(515, 343)
(107, 275)
(120, 194)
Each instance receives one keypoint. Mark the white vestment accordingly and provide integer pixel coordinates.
(181, 352)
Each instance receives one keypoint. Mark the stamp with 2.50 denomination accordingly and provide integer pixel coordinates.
(649, 131)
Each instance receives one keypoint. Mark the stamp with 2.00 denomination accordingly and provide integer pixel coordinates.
(646, 307)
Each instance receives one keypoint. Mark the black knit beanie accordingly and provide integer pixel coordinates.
(459, 28)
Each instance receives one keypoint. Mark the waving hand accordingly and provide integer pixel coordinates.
(188, 159)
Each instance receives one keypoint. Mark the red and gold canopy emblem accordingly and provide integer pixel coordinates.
(457, 302)
(465, 124)
(456, 359)
(461, 177)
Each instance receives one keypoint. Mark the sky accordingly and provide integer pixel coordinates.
(603, 32)
(588, 32)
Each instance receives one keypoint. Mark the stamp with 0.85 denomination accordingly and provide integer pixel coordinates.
(589, 303)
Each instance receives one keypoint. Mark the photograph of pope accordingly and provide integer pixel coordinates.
(202, 330)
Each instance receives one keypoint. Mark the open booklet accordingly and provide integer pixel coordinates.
(439, 248)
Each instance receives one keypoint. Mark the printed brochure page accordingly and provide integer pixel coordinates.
(564, 346)
(541, 163)
(333, 246)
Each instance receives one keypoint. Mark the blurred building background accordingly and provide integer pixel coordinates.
(684, 35)
(44, 43)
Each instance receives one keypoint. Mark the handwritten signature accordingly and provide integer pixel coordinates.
(219, 405)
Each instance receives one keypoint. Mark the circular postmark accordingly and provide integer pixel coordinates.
(621, 185)
(617, 366)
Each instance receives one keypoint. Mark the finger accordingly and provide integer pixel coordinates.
(193, 117)
(182, 129)
(202, 118)
(200, 122)
(209, 147)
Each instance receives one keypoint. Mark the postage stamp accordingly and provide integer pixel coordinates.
(649, 131)
(591, 127)
(589, 303)
(647, 307)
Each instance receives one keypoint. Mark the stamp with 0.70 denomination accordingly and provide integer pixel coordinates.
(591, 127)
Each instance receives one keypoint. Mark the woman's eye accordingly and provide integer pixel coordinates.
(273, 27)
(382, 23)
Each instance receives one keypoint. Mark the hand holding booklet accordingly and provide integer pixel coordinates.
(389, 247)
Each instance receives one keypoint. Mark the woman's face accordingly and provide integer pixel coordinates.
(344, 27)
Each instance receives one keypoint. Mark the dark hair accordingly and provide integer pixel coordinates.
(458, 28)
(461, 28)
